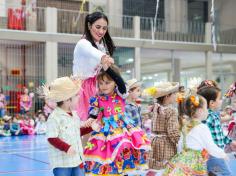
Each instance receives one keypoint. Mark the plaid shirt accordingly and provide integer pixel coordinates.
(67, 128)
(214, 124)
(134, 112)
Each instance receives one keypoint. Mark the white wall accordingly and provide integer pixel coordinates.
(227, 14)
(115, 11)
(13, 3)
(3, 8)
(176, 15)
(95, 3)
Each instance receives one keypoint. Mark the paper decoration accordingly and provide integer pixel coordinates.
(213, 28)
(80, 11)
(154, 24)
(31, 84)
(6, 88)
(19, 86)
(42, 82)
(7, 97)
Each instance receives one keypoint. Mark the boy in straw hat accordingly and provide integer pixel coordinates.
(63, 128)
(132, 108)
(165, 124)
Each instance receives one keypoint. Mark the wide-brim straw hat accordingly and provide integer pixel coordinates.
(162, 89)
(7, 118)
(133, 83)
(60, 89)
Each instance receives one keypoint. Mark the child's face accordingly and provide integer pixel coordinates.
(135, 93)
(171, 98)
(15, 120)
(26, 91)
(216, 105)
(228, 110)
(74, 102)
(106, 86)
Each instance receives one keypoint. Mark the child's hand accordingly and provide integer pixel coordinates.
(87, 123)
(151, 173)
(96, 126)
(71, 151)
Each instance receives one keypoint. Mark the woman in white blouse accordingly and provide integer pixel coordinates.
(95, 47)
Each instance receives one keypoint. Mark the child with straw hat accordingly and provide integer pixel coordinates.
(165, 125)
(132, 108)
(63, 127)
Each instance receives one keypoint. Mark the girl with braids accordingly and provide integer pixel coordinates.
(95, 48)
(197, 141)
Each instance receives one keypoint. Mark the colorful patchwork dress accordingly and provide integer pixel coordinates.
(119, 146)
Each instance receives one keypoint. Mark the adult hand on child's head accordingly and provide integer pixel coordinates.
(105, 67)
(106, 59)
(71, 151)
(110, 60)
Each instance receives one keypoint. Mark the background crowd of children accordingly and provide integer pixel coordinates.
(163, 120)
(26, 122)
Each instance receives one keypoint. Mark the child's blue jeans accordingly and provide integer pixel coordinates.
(218, 166)
(69, 171)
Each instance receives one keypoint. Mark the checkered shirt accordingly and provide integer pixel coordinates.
(134, 112)
(67, 128)
(214, 124)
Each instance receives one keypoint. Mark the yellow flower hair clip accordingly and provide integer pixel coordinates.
(151, 91)
(195, 100)
(180, 98)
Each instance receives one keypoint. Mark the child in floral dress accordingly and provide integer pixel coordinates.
(116, 146)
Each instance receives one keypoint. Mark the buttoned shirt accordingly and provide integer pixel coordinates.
(67, 128)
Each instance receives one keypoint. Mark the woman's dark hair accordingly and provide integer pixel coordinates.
(89, 20)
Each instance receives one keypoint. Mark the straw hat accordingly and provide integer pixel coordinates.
(7, 118)
(60, 89)
(133, 83)
(162, 89)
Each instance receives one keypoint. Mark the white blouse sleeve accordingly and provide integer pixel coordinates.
(86, 59)
(210, 146)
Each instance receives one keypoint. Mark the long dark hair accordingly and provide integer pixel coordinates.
(89, 20)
